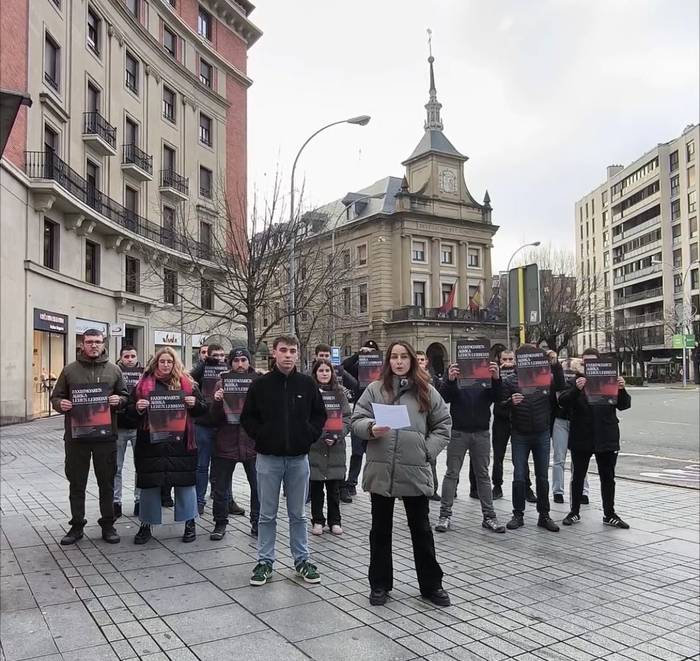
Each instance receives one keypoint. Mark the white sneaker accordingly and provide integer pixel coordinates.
(443, 524)
(336, 530)
(317, 529)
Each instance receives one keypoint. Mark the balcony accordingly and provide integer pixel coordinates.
(99, 134)
(637, 275)
(647, 224)
(634, 321)
(112, 217)
(174, 185)
(419, 313)
(137, 163)
(656, 292)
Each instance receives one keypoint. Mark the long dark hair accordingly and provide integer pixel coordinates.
(417, 375)
(333, 383)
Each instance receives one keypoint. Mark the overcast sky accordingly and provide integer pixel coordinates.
(541, 95)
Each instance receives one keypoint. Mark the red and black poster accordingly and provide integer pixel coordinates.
(91, 416)
(235, 389)
(601, 381)
(210, 377)
(473, 359)
(334, 415)
(506, 372)
(534, 371)
(131, 376)
(369, 367)
(167, 416)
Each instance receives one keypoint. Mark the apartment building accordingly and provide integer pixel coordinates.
(637, 250)
(137, 126)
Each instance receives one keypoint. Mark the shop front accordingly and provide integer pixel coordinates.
(48, 357)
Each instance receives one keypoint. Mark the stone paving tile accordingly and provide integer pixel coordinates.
(72, 627)
(184, 598)
(151, 578)
(363, 643)
(253, 647)
(279, 594)
(303, 621)
(16, 594)
(208, 624)
(25, 635)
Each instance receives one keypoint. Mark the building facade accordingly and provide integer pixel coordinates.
(639, 231)
(137, 126)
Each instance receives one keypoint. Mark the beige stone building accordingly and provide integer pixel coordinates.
(404, 244)
(138, 122)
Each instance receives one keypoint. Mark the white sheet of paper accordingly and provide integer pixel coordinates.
(394, 416)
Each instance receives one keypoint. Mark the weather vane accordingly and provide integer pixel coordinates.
(430, 42)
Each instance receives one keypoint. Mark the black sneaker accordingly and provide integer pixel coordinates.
(352, 490)
(345, 495)
(200, 508)
(571, 519)
(493, 524)
(109, 534)
(190, 533)
(546, 522)
(235, 509)
(137, 508)
(143, 535)
(530, 496)
(219, 532)
(558, 498)
(585, 501)
(616, 522)
(497, 493)
(72, 536)
(474, 494)
(378, 597)
(253, 528)
(438, 597)
(515, 523)
(436, 497)
(117, 510)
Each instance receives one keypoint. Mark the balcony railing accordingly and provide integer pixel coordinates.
(132, 154)
(639, 296)
(640, 273)
(171, 179)
(417, 313)
(47, 165)
(640, 319)
(96, 124)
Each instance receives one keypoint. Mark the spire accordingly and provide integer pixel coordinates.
(487, 200)
(433, 121)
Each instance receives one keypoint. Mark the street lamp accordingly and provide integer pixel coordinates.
(360, 120)
(684, 324)
(534, 244)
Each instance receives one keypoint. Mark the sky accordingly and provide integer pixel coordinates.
(540, 95)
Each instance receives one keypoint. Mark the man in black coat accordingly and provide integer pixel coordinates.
(594, 430)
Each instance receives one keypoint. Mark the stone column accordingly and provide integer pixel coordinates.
(487, 274)
(406, 269)
(462, 298)
(435, 285)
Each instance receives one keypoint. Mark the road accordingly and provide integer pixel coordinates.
(660, 436)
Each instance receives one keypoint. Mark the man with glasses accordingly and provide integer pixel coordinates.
(92, 367)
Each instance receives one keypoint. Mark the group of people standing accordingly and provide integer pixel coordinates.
(283, 439)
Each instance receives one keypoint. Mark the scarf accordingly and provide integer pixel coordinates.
(147, 384)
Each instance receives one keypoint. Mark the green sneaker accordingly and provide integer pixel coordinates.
(261, 574)
(308, 572)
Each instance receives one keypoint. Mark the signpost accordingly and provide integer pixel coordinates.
(524, 297)
(683, 342)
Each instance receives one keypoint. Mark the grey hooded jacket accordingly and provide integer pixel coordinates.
(398, 462)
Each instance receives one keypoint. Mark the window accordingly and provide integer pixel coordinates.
(93, 31)
(362, 254)
(418, 251)
(134, 7)
(205, 239)
(605, 218)
(132, 73)
(363, 298)
(694, 279)
(673, 161)
(168, 104)
(693, 227)
(677, 259)
(206, 73)
(692, 201)
(446, 291)
(168, 230)
(131, 205)
(207, 292)
(604, 197)
(447, 254)
(204, 129)
(693, 252)
(132, 270)
(205, 181)
(419, 293)
(92, 263)
(168, 158)
(92, 176)
(93, 98)
(690, 151)
(346, 259)
(346, 300)
(691, 176)
(51, 62)
(606, 260)
(474, 258)
(169, 286)
(204, 22)
(675, 209)
(131, 132)
(675, 184)
(676, 231)
(593, 207)
(50, 139)
(169, 41)
(51, 235)
(606, 239)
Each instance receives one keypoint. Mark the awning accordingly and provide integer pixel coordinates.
(658, 360)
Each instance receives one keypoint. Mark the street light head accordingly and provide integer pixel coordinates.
(361, 120)
(536, 243)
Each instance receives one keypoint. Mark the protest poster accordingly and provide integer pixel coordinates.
(210, 377)
(91, 415)
(473, 360)
(369, 367)
(235, 387)
(601, 381)
(534, 370)
(333, 428)
(167, 416)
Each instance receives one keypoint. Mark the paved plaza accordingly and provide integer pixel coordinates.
(588, 592)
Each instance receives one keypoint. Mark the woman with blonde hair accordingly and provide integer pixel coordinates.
(398, 466)
(166, 460)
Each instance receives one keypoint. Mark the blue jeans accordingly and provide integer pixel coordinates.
(206, 437)
(124, 437)
(560, 444)
(272, 472)
(521, 446)
(185, 505)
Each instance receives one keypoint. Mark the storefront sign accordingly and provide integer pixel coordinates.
(167, 338)
(199, 340)
(52, 322)
(81, 325)
(117, 330)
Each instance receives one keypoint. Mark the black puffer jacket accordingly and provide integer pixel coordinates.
(470, 408)
(533, 414)
(197, 373)
(164, 464)
(593, 428)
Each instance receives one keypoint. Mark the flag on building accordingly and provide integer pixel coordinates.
(475, 301)
(449, 302)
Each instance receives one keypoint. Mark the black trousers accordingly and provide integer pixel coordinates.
(500, 435)
(77, 467)
(358, 450)
(221, 474)
(381, 571)
(606, 470)
(333, 497)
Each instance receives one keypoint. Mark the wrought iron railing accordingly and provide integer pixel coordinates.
(96, 124)
(171, 179)
(132, 154)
